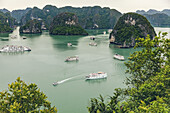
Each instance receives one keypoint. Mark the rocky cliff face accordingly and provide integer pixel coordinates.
(66, 24)
(129, 27)
(31, 27)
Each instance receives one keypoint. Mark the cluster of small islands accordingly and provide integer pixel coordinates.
(74, 21)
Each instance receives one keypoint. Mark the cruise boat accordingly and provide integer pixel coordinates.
(119, 57)
(92, 44)
(69, 44)
(14, 48)
(98, 75)
(72, 58)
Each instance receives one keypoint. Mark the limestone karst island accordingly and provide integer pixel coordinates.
(88, 56)
(129, 27)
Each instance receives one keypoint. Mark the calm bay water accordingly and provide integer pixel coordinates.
(45, 65)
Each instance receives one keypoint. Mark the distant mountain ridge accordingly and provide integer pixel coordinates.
(157, 18)
(4, 10)
(88, 17)
(153, 11)
(17, 14)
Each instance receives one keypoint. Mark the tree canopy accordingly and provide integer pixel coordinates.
(148, 86)
(23, 98)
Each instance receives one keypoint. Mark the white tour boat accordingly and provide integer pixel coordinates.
(14, 48)
(92, 44)
(119, 57)
(72, 58)
(98, 75)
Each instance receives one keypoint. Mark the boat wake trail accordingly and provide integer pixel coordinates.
(62, 81)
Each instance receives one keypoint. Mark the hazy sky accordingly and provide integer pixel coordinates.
(121, 5)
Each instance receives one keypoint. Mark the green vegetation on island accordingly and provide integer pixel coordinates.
(23, 98)
(159, 20)
(6, 22)
(17, 14)
(66, 24)
(88, 17)
(31, 27)
(148, 86)
(129, 27)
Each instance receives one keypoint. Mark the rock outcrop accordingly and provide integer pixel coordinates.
(129, 27)
(66, 24)
(31, 27)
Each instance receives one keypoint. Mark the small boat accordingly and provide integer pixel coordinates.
(72, 58)
(98, 75)
(24, 37)
(119, 57)
(92, 38)
(92, 44)
(55, 83)
(69, 44)
(27, 48)
(14, 48)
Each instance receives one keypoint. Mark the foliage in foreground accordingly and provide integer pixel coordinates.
(23, 98)
(148, 86)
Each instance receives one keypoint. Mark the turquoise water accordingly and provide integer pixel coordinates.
(45, 65)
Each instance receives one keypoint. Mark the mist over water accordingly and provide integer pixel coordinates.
(46, 64)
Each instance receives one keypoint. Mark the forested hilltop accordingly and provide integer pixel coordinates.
(66, 24)
(129, 27)
(31, 27)
(6, 22)
(88, 17)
